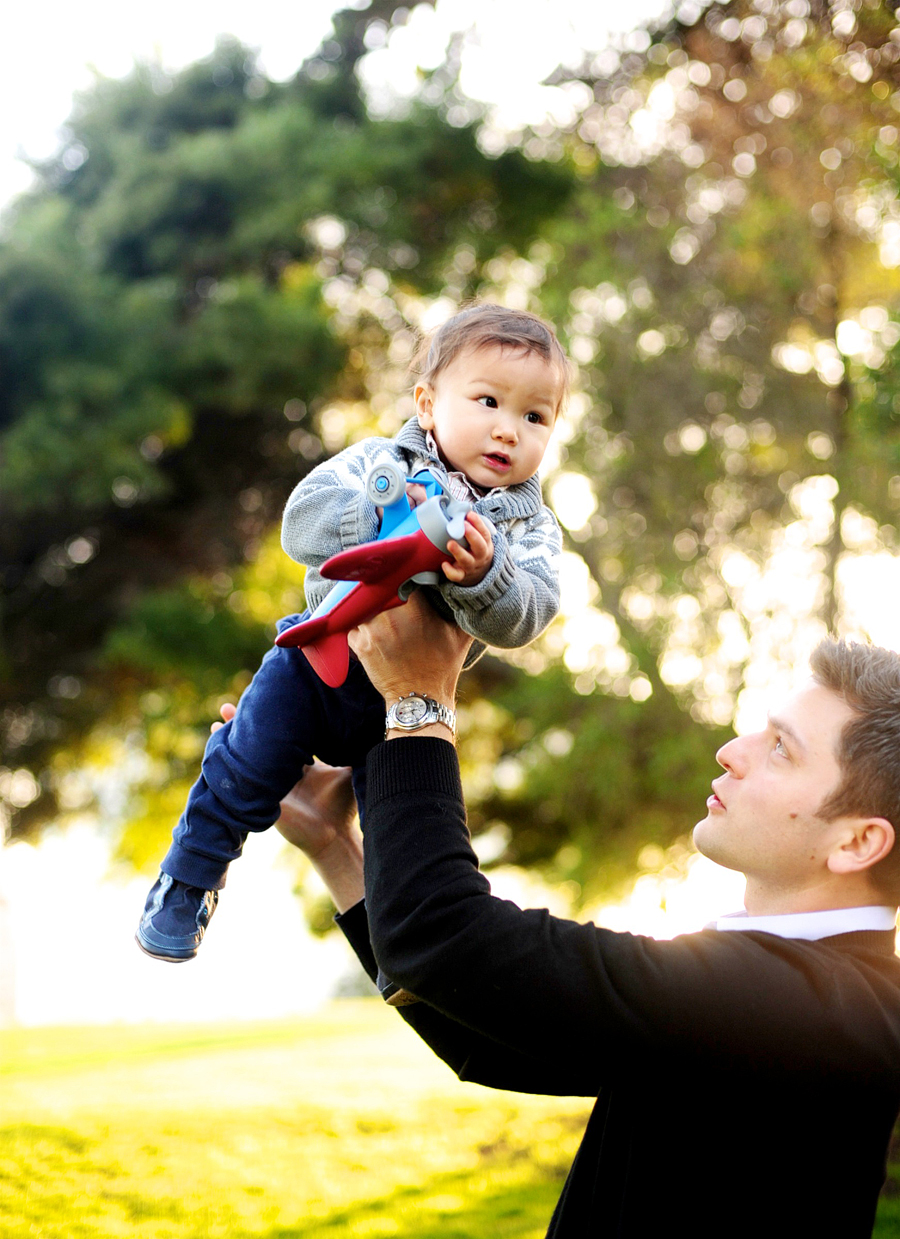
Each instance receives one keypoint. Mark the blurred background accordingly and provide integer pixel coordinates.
(222, 233)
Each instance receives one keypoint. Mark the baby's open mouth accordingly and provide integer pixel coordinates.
(497, 458)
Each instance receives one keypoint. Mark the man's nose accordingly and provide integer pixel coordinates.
(732, 757)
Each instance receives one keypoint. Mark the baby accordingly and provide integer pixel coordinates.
(491, 387)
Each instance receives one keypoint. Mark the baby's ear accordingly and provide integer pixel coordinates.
(423, 396)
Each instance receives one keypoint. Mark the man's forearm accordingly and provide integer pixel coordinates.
(340, 866)
(317, 816)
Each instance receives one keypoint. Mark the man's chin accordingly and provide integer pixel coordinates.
(710, 844)
(699, 833)
(706, 842)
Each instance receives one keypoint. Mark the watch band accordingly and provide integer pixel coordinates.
(415, 711)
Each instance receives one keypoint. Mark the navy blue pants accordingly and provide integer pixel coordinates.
(285, 718)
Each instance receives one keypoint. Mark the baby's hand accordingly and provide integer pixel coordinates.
(228, 711)
(468, 567)
(415, 493)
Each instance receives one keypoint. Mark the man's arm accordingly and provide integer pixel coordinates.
(318, 817)
(411, 649)
(555, 991)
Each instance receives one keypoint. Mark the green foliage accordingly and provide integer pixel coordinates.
(181, 653)
(166, 344)
(181, 632)
(594, 779)
(702, 277)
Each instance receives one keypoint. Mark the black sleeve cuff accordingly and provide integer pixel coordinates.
(354, 925)
(411, 765)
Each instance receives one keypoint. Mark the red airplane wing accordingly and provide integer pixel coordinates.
(372, 561)
(303, 633)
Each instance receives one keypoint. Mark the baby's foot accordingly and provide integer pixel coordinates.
(175, 919)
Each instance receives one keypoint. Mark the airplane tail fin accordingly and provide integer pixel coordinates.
(330, 658)
(328, 655)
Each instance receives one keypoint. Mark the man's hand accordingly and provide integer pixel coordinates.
(318, 810)
(411, 649)
(228, 711)
(471, 566)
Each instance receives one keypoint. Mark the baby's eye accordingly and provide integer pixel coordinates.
(490, 402)
(536, 419)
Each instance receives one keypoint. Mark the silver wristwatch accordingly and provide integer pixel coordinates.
(415, 711)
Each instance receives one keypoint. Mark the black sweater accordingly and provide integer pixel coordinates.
(747, 1084)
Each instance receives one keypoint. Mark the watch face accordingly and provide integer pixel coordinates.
(411, 711)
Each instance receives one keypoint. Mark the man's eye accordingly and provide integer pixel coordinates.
(779, 747)
(489, 402)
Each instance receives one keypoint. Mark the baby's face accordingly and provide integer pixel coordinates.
(492, 411)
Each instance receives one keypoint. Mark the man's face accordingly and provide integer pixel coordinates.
(492, 412)
(761, 817)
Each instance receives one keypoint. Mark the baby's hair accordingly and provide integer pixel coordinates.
(481, 325)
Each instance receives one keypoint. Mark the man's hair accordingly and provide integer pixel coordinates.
(481, 325)
(867, 678)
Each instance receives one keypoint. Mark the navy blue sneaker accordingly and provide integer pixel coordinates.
(175, 919)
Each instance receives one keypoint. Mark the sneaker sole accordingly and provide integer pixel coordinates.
(167, 959)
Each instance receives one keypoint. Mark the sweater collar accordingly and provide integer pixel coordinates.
(812, 926)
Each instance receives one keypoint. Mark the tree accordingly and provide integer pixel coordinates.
(170, 332)
(727, 279)
(739, 344)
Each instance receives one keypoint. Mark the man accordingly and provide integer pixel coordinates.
(748, 1076)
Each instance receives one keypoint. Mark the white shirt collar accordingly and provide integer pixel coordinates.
(811, 925)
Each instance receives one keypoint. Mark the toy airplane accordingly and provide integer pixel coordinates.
(375, 576)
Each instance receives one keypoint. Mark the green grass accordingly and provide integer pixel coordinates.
(887, 1225)
(337, 1126)
(334, 1126)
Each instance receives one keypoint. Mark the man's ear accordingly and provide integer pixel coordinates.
(423, 396)
(863, 844)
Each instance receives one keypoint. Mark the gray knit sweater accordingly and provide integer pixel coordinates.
(329, 511)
